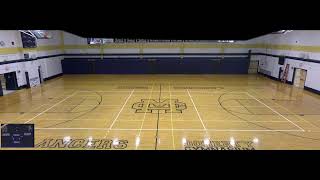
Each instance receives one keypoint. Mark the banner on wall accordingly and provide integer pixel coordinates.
(151, 41)
(110, 40)
(99, 40)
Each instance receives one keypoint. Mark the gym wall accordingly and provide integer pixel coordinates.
(48, 55)
(146, 58)
(301, 50)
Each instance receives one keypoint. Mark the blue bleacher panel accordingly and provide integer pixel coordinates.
(232, 65)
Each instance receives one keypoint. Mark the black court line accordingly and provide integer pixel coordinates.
(264, 127)
(92, 109)
(75, 106)
(244, 107)
(156, 144)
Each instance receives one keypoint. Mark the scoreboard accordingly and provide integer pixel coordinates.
(17, 135)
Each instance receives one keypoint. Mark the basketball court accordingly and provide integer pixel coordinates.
(166, 112)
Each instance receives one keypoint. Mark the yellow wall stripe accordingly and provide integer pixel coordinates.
(9, 50)
(164, 46)
(181, 50)
(180, 46)
(62, 41)
(101, 51)
(43, 48)
(141, 51)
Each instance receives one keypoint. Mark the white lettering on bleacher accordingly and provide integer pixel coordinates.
(6, 134)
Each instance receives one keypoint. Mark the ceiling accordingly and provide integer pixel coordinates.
(170, 29)
(167, 23)
(171, 33)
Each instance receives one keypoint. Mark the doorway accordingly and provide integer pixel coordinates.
(8, 83)
(300, 76)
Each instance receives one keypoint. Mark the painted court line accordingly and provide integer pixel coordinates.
(137, 91)
(291, 112)
(145, 113)
(275, 111)
(222, 130)
(173, 144)
(51, 107)
(216, 120)
(31, 111)
(121, 109)
(196, 110)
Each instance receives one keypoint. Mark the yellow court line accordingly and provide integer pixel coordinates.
(121, 109)
(145, 113)
(171, 120)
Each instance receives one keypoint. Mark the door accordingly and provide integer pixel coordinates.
(11, 81)
(40, 76)
(303, 77)
(300, 76)
(253, 67)
(280, 72)
(27, 79)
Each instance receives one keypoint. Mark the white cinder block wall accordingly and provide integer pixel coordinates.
(300, 43)
(45, 47)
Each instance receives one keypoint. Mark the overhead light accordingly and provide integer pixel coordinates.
(255, 140)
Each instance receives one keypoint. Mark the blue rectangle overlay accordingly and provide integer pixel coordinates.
(17, 135)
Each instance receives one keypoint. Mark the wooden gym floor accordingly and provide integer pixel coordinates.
(161, 112)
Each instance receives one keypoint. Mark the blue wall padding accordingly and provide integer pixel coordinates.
(232, 65)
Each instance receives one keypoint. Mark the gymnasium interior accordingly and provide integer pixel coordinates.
(60, 90)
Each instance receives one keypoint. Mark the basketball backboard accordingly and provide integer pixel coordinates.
(39, 34)
(42, 34)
